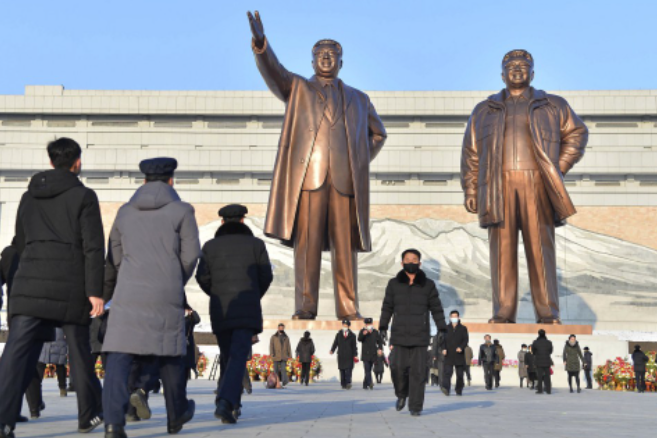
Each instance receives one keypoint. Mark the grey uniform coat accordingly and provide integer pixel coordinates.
(154, 244)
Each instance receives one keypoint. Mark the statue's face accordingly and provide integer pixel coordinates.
(517, 73)
(327, 61)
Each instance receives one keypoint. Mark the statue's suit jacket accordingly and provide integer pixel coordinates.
(305, 108)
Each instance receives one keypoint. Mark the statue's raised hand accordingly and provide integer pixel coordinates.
(257, 29)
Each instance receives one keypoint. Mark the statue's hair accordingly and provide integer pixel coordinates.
(328, 41)
(518, 53)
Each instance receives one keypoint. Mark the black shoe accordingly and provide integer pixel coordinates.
(579, 390)
(173, 429)
(139, 401)
(132, 418)
(224, 412)
(459, 393)
(249, 391)
(539, 392)
(571, 390)
(90, 426)
(548, 392)
(6, 432)
(489, 388)
(70, 388)
(35, 415)
(112, 431)
(444, 390)
(306, 383)
(22, 419)
(237, 413)
(415, 413)
(401, 402)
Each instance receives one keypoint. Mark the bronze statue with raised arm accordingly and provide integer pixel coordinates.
(518, 145)
(320, 193)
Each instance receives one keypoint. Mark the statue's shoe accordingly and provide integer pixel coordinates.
(300, 314)
(355, 317)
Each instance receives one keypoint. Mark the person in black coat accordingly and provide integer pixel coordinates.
(371, 344)
(8, 267)
(59, 282)
(588, 367)
(530, 365)
(456, 339)
(192, 319)
(487, 360)
(639, 359)
(410, 297)
(235, 272)
(305, 351)
(345, 343)
(380, 366)
(542, 351)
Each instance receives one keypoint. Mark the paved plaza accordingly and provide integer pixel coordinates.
(324, 410)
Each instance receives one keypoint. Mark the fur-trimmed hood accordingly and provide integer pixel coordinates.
(233, 228)
(420, 277)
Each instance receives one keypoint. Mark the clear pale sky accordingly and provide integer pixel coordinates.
(388, 45)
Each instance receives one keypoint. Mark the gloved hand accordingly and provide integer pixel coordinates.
(384, 334)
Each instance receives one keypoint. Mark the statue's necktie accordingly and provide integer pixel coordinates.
(332, 98)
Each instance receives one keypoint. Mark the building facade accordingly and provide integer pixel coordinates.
(226, 142)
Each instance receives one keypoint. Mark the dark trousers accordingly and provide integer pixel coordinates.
(234, 346)
(544, 379)
(116, 393)
(531, 378)
(280, 368)
(497, 377)
(488, 374)
(588, 377)
(448, 370)
(19, 361)
(345, 376)
(408, 372)
(305, 372)
(367, 367)
(640, 380)
(379, 377)
(466, 370)
(572, 374)
(34, 394)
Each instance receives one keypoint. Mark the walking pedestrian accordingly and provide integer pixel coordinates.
(639, 359)
(522, 369)
(280, 351)
(456, 339)
(59, 282)
(530, 366)
(409, 300)
(572, 358)
(371, 344)
(154, 245)
(588, 367)
(380, 366)
(235, 272)
(305, 351)
(487, 360)
(8, 267)
(345, 343)
(469, 355)
(499, 365)
(542, 350)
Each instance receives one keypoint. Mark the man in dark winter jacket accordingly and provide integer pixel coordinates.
(588, 367)
(236, 273)
(456, 339)
(371, 344)
(487, 360)
(59, 282)
(409, 299)
(305, 351)
(154, 245)
(639, 359)
(542, 351)
(345, 343)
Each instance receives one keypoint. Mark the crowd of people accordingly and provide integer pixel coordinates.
(71, 300)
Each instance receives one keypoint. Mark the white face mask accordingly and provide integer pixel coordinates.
(345, 329)
(369, 327)
(454, 320)
(572, 343)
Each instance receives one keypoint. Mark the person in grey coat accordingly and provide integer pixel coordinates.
(154, 246)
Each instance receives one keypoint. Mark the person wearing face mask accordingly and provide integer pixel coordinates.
(305, 351)
(572, 359)
(345, 343)
(487, 360)
(522, 370)
(280, 351)
(456, 339)
(371, 344)
(411, 299)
